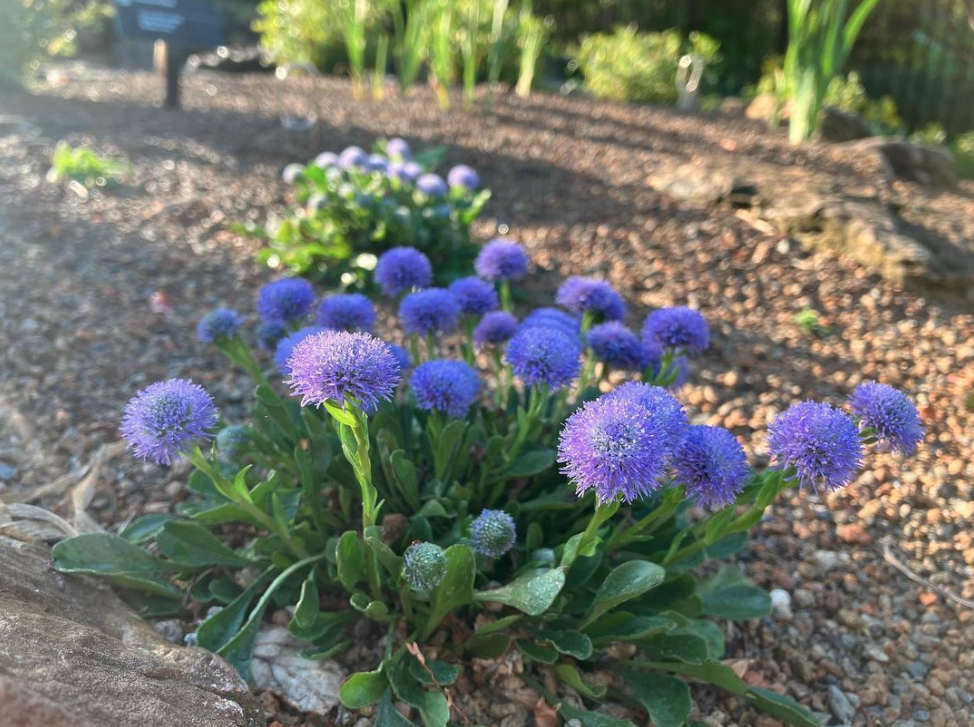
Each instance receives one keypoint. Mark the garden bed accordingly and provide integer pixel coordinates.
(101, 293)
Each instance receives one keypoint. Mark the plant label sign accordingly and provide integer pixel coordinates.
(187, 24)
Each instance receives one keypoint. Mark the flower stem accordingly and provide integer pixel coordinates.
(507, 303)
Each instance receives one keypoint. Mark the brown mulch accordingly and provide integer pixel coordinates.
(100, 295)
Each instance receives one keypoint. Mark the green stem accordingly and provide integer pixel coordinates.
(237, 351)
(620, 537)
(507, 302)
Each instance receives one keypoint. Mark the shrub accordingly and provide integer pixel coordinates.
(83, 165)
(354, 204)
(630, 66)
(544, 516)
(963, 147)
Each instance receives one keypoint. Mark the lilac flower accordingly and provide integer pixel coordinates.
(544, 356)
(351, 157)
(268, 334)
(463, 177)
(346, 312)
(495, 327)
(292, 172)
(502, 259)
(588, 295)
(445, 386)
(401, 269)
(678, 328)
(476, 296)
(218, 324)
(660, 404)
(402, 356)
(336, 365)
(493, 533)
(285, 301)
(167, 417)
(376, 163)
(285, 347)
(890, 414)
(424, 566)
(614, 447)
(712, 465)
(326, 160)
(433, 310)
(406, 171)
(398, 150)
(432, 185)
(616, 345)
(819, 441)
(552, 318)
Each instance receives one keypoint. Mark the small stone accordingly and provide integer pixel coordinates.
(827, 560)
(840, 705)
(917, 669)
(781, 605)
(171, 629)
(854, 533)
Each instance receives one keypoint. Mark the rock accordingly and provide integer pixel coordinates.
(838, 126)
(310, 686)
(781, 604)
(854, 533)
(765, 107)
(840, 705)
(929, 165)
(733, 106)
(72, 654)
(827, 560)
(696, 182)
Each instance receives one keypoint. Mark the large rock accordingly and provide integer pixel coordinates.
(73, 655)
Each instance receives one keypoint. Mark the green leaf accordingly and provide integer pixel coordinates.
(351, 560)
(541, 653)
(390, 561)
(191, 544)
(115, 559)
(712, 634)
(498, 625)
(781, 707)
(570, 675)
(726, 546)
(145, 528)
(711, 671)
(677, 645)
(627, 581)
(729, 595)
(149, 605)
(443, 672)
(364, 688)
(666, 698)
(591, 719)
(306, 612)
(630, 628)
(388, 716)
(219, 628)
(456, 590)
(572, 643)
(488, 646)
(531, 463)
(448, 444)
(533, 593)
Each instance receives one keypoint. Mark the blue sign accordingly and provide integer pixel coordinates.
(186, 24)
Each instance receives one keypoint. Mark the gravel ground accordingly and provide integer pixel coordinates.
(100, 295)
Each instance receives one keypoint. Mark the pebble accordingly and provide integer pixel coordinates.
(840, 705)
(781, 604)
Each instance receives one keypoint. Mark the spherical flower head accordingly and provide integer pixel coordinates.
(616, 345)
(495, 327)
(292, 172)
(544, 356)
(463, 177)
(589, 295)
(476, 295)
(712, 465)
(819, 441)
(232, 440)
(493, 533)
(552, 318)
(678, 328)
(336, 366)
(219, 324)
(285, 301)
(167, 417)
(432, 185)
(445, 386)
(406, 172)
(351, 157)
(398, 150)
(346, 312)
(285, 347)
(402, 356)
(326, 160)
(502, 259)
(424, 566)
(615, 448)
(434, 310)
(268, 335)
(401, 269)
(661, 405)
(890, 414)
(376, 163)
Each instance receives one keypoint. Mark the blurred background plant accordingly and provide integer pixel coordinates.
(81, 164)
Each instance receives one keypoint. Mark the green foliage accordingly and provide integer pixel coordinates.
(809, 321)
(82, 165)
(963, 148)
(630, 66)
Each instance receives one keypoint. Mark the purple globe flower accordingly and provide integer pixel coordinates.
(712, 465)
(476, 296)
(495, 327)
(285, 301)
(432, 185)
(406, 172)
(398, 150)
(660, 404)
(376, 163)
(346, 312)
(544, 356)
(493, 533)
(616, 345)
(433, 310)
(615, 448)
(351, 157)
(819, 441)
(402, 356)
(463, 177)
(268, 334)
(167, 417)
(336, 366)
(401, 269)
(679, 328)
(446, 386)
(292, 172)
(326, 160)
(588, 295)
(502, 259)
(285, 347)
(552, 318)
(218, 324)
(890, 413)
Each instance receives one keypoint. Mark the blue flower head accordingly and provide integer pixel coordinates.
(819, 441)
(288, 300)
(401, 269)
(552, 318)
(376, 163)
(463, 177)
(292, 172)
(424, 566)
(890, 414)
(326, 160)
(433, 310)
(544, 356)
(589, 295)
(432, 185)
(678, 328)
(445, 386)
(476, 295)
(398, 150)
(615, 448)
(502, 259)
(268, 334)
(166, 418)
(712, 465)
(406, 172)
(660, 404)
(285, 347)
(351, 157)
(402, 356)
(346, 312)
(616, 345)
(219, 324)
(495, 327)
(493, 533)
